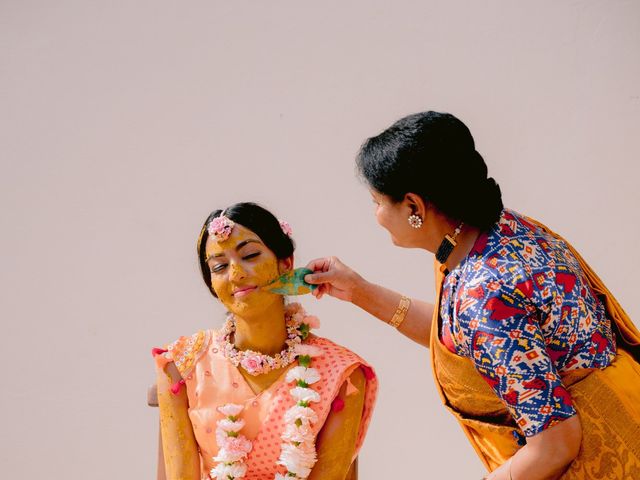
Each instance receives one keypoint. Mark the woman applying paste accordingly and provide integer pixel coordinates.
(261, 398)
(530, 351)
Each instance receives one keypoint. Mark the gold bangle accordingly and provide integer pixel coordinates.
(401, 312)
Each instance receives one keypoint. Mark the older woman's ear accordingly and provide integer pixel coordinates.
(416, 204)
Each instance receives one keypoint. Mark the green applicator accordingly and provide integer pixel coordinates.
(291, 283)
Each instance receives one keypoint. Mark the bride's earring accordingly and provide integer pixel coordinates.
(415, 221)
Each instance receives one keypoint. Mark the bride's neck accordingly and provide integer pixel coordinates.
(265, 333)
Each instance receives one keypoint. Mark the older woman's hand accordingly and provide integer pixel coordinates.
(336, 279)
(333, 278)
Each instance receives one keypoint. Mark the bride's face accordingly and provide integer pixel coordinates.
(239, 266)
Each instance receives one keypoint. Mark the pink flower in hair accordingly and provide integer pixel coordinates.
(286, 228)
(221, 227)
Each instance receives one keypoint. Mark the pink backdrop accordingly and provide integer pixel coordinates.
(124, 123)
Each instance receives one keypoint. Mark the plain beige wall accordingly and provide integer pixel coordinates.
(125, 122)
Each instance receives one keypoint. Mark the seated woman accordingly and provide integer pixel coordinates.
(261, 398)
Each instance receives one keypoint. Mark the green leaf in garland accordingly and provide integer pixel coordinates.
(304, 360)
(304, 330)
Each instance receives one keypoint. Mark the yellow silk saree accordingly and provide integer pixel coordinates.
(607, 400)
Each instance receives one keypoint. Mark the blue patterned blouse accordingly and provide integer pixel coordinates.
(520, 307)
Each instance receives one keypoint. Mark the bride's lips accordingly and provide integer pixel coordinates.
(241, 292)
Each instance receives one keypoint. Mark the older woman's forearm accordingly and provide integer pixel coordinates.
(382, 303)
(546, 456)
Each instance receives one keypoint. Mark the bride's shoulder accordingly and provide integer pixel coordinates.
(332, 350)
(186, 350)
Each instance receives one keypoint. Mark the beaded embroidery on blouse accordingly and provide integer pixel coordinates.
(186, 351)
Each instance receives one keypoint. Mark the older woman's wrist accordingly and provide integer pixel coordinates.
(360, 291)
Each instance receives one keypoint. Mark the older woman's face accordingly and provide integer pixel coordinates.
(239, 266)
(393, 217)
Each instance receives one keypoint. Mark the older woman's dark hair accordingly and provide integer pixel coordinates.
(257, 219)
(433, 155)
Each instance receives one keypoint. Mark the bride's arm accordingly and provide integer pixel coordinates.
(336, 441)
(336, 279)
(180, 450)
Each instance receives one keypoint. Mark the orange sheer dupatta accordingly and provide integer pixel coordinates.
(608, 401)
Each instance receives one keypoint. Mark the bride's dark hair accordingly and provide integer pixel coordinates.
(257, 219)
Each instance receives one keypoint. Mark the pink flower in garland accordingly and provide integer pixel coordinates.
(312, 321)
(234, 449)
(221, 227)
(251, 363)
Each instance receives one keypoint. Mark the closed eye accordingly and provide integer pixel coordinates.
(250, 256)
(218, 268)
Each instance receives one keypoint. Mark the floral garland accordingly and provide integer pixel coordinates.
(298, 453)
(255, 363)
(234, 448)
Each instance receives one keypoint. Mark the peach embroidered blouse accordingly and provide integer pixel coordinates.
(211, 381)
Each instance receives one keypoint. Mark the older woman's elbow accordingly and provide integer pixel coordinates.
(574, 440)
(559, 445)
(565, 439)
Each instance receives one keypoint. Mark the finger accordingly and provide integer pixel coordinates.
(319, 277)
(319, 264)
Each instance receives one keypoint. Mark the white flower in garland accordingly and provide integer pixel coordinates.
(299, 434)
(228, 425)
(306, 350)
(298, 452)
(305, 415)
(306, 395)
(304, 375)
(223, 471)
(298, 461)
(231, 409)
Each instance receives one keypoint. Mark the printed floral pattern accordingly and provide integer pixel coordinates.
(521, 309)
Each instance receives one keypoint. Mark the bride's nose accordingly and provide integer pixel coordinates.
(236, 272)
